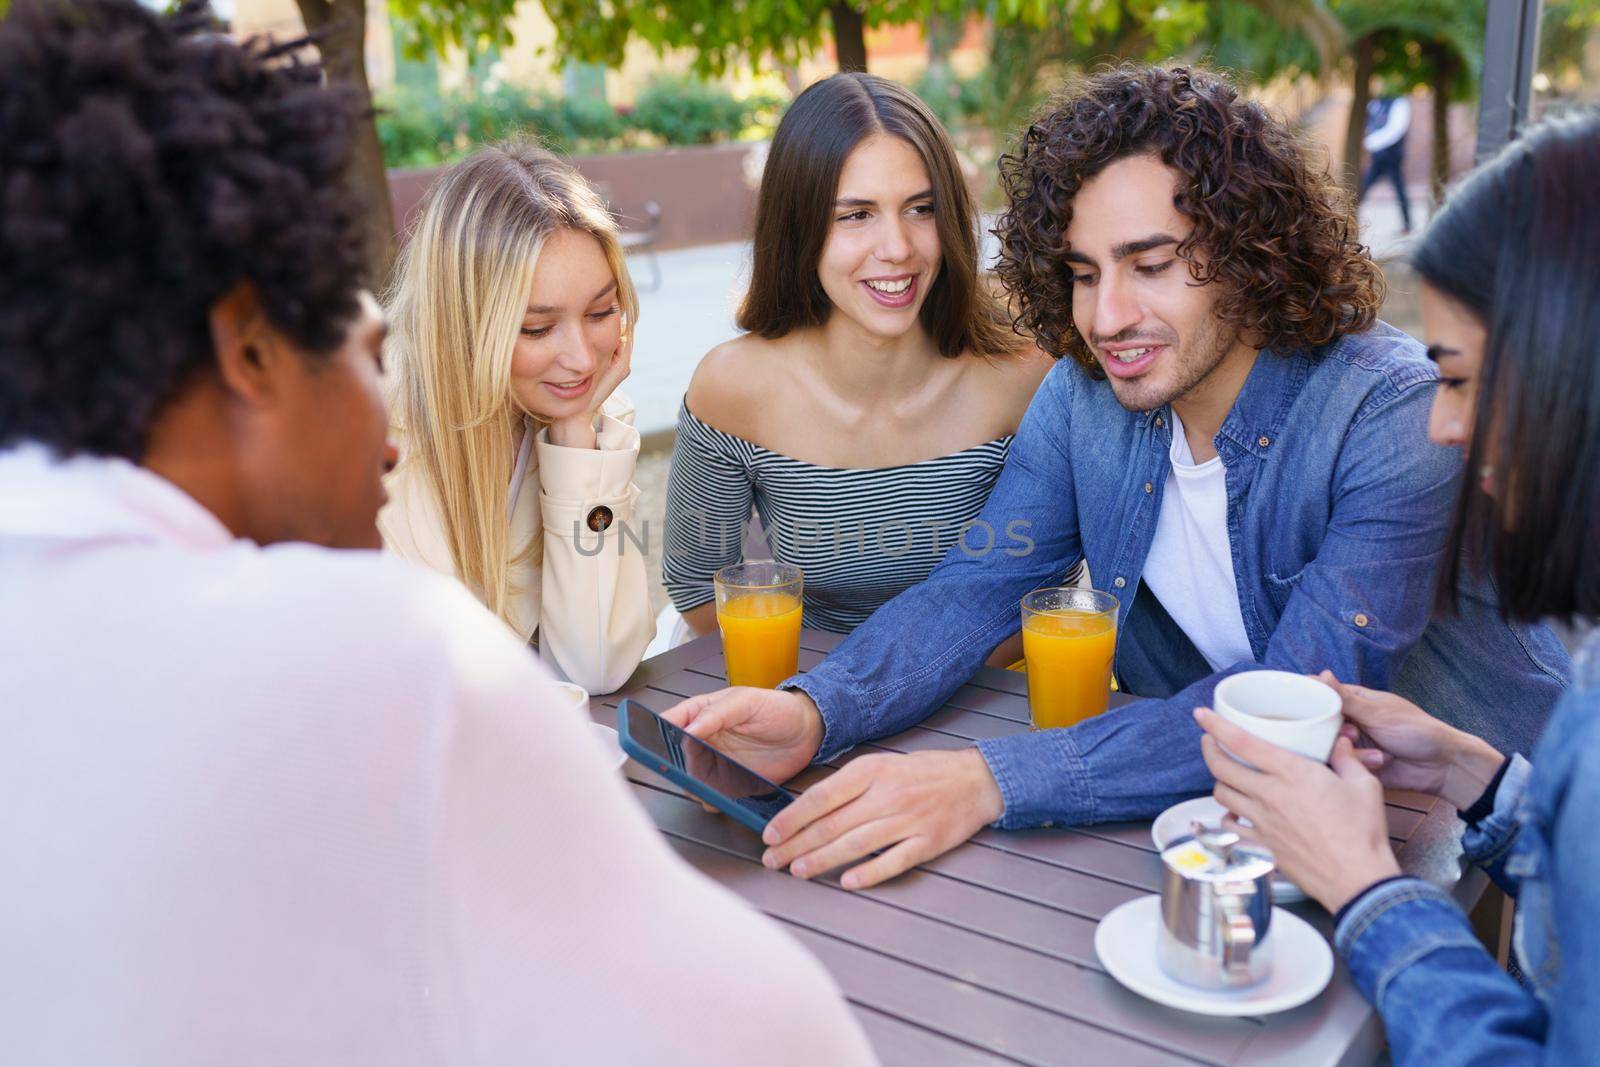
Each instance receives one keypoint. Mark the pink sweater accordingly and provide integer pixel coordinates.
(288, 805)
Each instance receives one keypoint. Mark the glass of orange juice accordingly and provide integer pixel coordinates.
(1069, 636)
(758, 611)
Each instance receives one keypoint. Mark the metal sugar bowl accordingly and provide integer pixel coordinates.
(1216, 910)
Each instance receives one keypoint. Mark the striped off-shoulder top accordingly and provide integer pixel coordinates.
(861, 536)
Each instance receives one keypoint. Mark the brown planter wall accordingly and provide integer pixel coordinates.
(703, 191)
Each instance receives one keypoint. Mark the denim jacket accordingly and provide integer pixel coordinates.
(1338, 508)
(1444, 1000)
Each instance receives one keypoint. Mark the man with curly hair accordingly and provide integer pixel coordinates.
(1231, 440)
(262, 802)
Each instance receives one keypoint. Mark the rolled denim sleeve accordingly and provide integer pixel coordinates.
(1443, 998)
(1488, 843)
(1129, 763)
(843, 717)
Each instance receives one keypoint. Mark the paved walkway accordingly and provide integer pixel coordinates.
(679, 322)
(1380, 220)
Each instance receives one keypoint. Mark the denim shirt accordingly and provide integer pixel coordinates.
(1443, 999)
(1337, 508)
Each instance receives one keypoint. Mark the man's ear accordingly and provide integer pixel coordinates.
(250, 354)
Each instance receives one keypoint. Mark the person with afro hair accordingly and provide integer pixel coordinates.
(264, 801)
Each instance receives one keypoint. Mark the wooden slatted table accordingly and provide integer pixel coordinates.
(986, 954)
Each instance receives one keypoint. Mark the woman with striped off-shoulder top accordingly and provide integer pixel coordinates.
(868, 407)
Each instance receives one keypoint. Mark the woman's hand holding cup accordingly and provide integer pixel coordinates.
(1325, 826)
(1409, 749)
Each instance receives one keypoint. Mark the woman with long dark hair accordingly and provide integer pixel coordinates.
(1511, 305)
(869, 405)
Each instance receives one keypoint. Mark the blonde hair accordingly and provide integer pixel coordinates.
(455, 311)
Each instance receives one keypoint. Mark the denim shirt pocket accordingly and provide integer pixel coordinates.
(1280, 589)
(1534, 933)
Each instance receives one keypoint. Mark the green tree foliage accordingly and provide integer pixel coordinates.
(685, 111)
(1398, 45)
(724, 34)
(1568, 26)
(1032, 40)
(437, 26)
(1401, 45)
(1030, 53)
(424, 129)
(420, 129)
(1399, 28)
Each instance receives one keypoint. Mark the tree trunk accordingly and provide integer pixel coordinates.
(1444, 75)
(1355, 130)
(849, 36)
(340, 28)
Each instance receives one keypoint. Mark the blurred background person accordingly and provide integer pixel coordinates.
(1388, 122)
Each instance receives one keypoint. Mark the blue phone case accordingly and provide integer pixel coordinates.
(677, 777)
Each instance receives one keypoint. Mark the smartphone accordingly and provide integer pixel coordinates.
(685, 760)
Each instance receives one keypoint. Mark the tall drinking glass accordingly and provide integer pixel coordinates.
(1069, 637)
(758, 611)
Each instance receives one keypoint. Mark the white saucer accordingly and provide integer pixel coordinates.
(1302, 964)
(608, 738)
(1174, 823)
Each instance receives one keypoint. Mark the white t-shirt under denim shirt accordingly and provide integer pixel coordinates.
(1190, 566)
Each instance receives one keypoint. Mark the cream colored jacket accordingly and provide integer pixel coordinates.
(588, 599)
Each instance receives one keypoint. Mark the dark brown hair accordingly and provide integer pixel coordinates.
(795, 210)
(1279, 236)
(1517, 246)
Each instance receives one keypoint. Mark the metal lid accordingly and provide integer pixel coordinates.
(1217, 856)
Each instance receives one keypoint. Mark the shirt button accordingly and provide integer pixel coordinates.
(1263, 440)
(1159, 423)
(599, 518)
(1149, 488)
(1360, 619)
(1120, 582)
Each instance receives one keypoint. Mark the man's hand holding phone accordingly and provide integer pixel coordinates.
(774, 732)
(912, 807)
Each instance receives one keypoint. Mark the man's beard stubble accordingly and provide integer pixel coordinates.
(1195, 360)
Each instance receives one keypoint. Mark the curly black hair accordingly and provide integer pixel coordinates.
(1279, 235)
(148, 164)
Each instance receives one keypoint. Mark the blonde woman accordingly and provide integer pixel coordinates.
(511, 328)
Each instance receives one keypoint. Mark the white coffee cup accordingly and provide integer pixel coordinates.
(572, 696)
(1292, 711)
